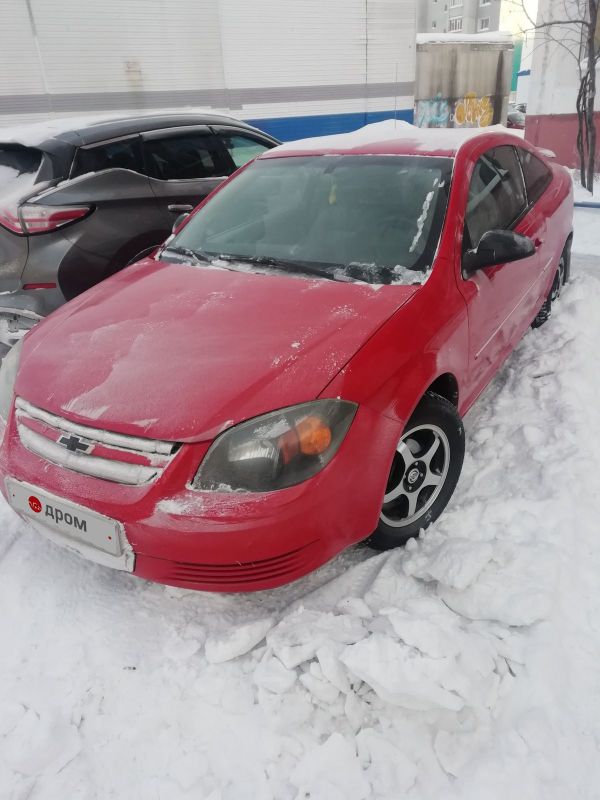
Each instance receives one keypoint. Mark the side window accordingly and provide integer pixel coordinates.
(536, 173)
(184, 157)
(496, 195)
(242, 148)
(125, 154)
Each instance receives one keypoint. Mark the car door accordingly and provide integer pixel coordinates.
(500, 299)
(183, 165)
(126, 219)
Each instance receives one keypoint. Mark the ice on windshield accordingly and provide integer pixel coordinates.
(375, 219)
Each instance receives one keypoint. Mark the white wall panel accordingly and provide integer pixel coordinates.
(129, 45)
(19, 64)
(293, 42)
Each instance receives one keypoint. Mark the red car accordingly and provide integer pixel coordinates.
(288, 374)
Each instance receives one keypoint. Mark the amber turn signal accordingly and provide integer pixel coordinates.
(310, 436)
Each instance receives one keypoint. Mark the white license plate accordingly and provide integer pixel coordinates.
(72, 521)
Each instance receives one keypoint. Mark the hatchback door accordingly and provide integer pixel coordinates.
(184, 165)
(124, 219)
(241, 145)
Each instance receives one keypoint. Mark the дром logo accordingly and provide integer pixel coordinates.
(34, 504)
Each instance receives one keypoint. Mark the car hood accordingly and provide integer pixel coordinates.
(176, 352)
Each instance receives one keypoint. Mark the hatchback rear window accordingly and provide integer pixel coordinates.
(19, 167)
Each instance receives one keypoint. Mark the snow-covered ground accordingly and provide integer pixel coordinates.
(465, 666)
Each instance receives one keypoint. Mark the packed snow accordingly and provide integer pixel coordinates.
(488, 37)
(392, 131)
(462, 667)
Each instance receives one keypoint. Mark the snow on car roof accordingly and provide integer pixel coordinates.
(387, 137)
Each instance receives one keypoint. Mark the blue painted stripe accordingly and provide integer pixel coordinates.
(524, 73)
(290, 128)
(587, 204)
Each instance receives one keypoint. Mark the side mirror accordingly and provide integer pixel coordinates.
(179, 220)
(497, 247)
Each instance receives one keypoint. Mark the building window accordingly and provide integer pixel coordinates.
(455, 3)
(434, 24)
(485, 2)
(456, 24)
(484, 24)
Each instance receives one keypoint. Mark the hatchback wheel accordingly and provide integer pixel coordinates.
(424, 472)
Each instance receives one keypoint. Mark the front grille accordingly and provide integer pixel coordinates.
(130, 460)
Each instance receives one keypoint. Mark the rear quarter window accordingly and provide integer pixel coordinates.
(536, 173)
(123, 154)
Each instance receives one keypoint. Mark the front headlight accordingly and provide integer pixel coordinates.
(276, 450)
(8, 376)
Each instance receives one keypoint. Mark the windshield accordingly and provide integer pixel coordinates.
(371, 218)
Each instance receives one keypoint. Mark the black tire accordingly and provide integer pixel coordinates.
(438, 418)
(560, 278)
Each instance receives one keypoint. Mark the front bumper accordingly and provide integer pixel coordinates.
(229, 541)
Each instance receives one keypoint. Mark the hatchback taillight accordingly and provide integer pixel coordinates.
(31, 218)
(9, 218)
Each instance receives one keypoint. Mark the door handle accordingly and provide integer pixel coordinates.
(180, 209)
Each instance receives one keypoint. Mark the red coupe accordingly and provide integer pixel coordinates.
(287, 374)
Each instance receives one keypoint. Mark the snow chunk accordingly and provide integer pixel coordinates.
(270, 674)
(516, 588)
(331, 771)
(388, 769)
(398, 675)
(455, 562)
(237, 641)
(298, 637)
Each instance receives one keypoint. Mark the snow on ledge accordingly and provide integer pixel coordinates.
(493, 37)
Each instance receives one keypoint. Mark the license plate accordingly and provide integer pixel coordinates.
(72, 521)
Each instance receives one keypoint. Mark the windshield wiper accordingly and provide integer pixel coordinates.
(321, 270)
(196, 256)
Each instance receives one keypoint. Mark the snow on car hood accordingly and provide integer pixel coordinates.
(179, 352)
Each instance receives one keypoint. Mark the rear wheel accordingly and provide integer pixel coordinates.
(560, 278)
(424, 472)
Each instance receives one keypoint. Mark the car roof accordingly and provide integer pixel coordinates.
(82, 130)
(392, 137)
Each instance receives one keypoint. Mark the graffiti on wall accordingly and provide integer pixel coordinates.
(434, 113)
(468, 111)
(474, 112)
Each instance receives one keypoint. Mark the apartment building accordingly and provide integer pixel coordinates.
(458, 16)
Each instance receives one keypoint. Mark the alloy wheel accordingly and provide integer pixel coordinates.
(417, 476)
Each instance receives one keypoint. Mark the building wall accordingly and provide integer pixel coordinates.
(294, 68)
(554, 83)
(435, 16)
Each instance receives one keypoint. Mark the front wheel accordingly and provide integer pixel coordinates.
(424, 472)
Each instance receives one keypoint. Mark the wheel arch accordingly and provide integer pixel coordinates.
(446, 385)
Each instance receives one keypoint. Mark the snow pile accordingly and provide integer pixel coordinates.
(464, 666)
